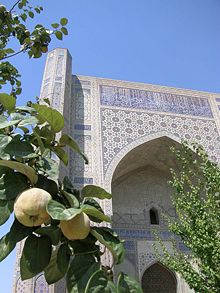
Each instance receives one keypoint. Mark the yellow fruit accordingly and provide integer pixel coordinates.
(30, 207)
(76, 228)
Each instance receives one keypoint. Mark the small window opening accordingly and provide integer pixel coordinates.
(154, 219)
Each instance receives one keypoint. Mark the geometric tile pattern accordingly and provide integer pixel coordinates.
(122, 127)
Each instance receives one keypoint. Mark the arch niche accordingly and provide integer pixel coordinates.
(157, 279)
(140, 193)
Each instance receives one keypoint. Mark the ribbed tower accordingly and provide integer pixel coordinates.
(56, 86)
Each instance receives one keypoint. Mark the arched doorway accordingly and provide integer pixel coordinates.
(158, 279)
(140, 194)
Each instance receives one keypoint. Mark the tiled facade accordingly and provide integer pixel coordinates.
(124, 127)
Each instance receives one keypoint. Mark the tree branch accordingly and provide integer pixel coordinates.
(14, 54)
(14, 6)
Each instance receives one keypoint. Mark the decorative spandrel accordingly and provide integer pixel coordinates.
(121, 127)
(154, 101)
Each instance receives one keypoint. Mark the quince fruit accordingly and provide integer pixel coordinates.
(76, 228)
(30, 207)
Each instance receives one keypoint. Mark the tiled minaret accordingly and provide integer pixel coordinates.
(56, 86)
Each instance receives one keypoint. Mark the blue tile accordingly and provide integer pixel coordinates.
(154, 101)
(82, 127)
(83, 180)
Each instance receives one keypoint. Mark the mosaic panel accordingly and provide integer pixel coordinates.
(145, 258)
(154, 101)
(83, 180)
(40, 285)
(82, 103)
(45, 91)
(57, 96)
(59, 65)
(22, 286)
(78, 165)
(142, 234)
(129, 245)
(60, 287)
(82, 127)
(48, 68)
(217, 100)
(122, 127)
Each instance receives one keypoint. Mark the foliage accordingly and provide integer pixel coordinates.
(17, 36)
(197, 203)
(31, 141)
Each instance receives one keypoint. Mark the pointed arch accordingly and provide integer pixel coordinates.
(158, 278)
(138, 142)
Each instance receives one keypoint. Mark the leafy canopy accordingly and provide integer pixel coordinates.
(31, 141)
(196, 198)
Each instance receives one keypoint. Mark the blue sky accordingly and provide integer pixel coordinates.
(167, 42)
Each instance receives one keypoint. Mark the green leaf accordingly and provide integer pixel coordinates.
(37, 9)
(127, 284)
(67, 184)
(4, 140)
(19, 148)
(28, 120)
(52, 116)
(57, 211)
(47, 184)
(6, 208)
(6, 246)
(63, 21)
(92, 202)
(64, 31)
(31, 14)
(59, 35)
(23, 16)
(47, 101)
(62, 155)
(55, 25)
(63, 258)
(51, 272)
(92, 211)
(25, 109)
(80, 271)
(11, 185)
(99, 283)
(36, 256)
(85, 246)
(68, 140)
(21, 168)
(9, 51)
(50, 167)
(5, 123)
(7, 101)
(20, 5)
(95, 191)
(16, 234)
(39, 140)
(110, 239)
(73, 201)
(53, 232)
(46, 133)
